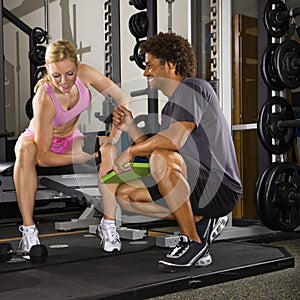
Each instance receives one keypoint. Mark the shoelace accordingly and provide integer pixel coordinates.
(111, 234)
(180, 249)
(28, 238)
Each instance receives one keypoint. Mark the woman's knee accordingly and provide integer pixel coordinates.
(26, 150)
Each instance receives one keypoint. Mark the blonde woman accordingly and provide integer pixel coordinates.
(52, 137)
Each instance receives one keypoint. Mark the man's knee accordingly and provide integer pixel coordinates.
(123, 196)
(164, 162)
(126, 192)
(123, 193)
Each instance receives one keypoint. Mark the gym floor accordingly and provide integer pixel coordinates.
(83, 271)
(279, 285)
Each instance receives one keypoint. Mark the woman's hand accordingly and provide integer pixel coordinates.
(83, 157)
(106, 140)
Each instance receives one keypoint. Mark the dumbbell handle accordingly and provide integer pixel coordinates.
(18, 252)
(288, 123)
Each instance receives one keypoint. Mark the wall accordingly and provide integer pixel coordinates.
(68, 19)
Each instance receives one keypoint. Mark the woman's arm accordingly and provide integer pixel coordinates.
(44, 112)
(102, 84)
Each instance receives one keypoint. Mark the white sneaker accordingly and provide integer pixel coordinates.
(29, 238)
(109, 237)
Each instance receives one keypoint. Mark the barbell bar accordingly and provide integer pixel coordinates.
(277, 125)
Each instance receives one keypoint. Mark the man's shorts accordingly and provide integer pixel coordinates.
(60, 145)
(209, 197)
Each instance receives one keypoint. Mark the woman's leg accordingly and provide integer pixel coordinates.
(108, 154)
(25, 177)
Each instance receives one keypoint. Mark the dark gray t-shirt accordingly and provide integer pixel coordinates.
(210, 144)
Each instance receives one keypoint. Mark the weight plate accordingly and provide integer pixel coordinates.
(138, 24)
(276, 24)
(29, 108)
(260, 197)
(280, 210)
(37, 55)
(5, 252)
(275, 139)
(286, 56)
(267, 68)
(38, 254)
(38, 35)
(138, 57)
(139, 4)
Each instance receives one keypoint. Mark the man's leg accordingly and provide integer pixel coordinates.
(134, 197)
(169, 171)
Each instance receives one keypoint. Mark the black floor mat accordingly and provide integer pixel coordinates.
(84, 271)
(73, 247)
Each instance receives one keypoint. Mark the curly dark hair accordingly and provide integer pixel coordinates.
(172, 48)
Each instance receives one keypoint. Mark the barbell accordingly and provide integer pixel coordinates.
(280, 65)
(277, 17)
(277, 196)
(277, 125)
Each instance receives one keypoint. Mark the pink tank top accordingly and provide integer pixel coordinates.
(64, 116)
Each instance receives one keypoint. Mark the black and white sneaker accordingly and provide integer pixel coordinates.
(184, 256)
(210, 228)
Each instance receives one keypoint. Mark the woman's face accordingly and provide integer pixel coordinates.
(63, 75)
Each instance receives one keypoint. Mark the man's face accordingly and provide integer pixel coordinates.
(155, 72)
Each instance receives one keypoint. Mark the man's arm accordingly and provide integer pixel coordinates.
(173, 138)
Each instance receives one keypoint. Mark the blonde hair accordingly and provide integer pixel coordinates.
(57, 51)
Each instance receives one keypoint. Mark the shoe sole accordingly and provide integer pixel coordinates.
(204, 261)
(175, 268)
(221, 223)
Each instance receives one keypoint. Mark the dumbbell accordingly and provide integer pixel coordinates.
(38, 253)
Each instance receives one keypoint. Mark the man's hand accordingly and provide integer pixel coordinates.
(120, 163)
(122, 118)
